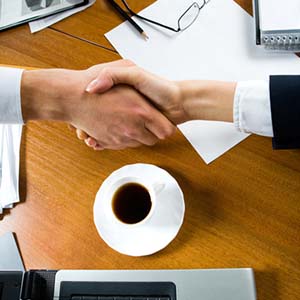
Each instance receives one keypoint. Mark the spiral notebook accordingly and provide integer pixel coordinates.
(277, 24)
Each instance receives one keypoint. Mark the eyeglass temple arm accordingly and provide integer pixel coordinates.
(156, 23)
(149, 20)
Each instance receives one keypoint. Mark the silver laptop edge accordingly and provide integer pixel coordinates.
(210, 284)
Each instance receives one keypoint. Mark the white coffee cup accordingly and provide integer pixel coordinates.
(158, 227)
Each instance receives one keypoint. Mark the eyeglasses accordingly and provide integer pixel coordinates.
(185, 20)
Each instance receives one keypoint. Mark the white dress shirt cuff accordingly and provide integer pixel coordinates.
(252, 108)
(10, 96)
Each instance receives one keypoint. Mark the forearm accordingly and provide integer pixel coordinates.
(246, 103)
(44, 95)
(208, 100)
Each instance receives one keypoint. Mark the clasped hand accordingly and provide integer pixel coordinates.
(169, 103)
(144, 110)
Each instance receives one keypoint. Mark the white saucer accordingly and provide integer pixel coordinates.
(155, 233)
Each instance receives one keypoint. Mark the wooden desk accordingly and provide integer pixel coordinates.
(101, 18)
(241, 211)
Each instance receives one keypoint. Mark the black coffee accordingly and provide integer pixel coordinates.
(131, 203)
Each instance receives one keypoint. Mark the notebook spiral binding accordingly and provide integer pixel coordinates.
(287, 40)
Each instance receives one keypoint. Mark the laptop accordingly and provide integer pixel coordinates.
(211, 284)
(16, 12)
(214, 284)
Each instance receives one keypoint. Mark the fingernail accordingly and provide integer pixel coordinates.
(92, 142)
(94, 83)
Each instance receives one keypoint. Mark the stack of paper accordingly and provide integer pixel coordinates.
(48, 21)
(10, 140)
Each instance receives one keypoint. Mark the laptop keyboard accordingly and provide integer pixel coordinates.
(120, 290)
(117, 298)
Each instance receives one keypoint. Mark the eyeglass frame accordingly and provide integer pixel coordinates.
(132, 13)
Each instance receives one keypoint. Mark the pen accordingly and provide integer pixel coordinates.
(128, 18)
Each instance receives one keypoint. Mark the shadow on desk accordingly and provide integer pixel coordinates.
(23, 174)
(267, 285)
(199, 215)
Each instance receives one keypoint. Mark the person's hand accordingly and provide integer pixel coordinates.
(180, 101)
(116, 119)
(165, 94)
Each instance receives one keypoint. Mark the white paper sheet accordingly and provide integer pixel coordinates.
(10, 139)
(279, 15)
(10, 259)
(219, 45)
(40, 24)
(216, 137)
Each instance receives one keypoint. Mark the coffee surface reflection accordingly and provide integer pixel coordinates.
(131, 203)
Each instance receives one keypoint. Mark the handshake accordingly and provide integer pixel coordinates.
(119, 105)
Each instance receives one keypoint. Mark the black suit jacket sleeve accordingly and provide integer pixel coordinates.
(285, 109)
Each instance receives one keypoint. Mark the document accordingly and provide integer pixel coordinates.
(218, 46)
(40, 24)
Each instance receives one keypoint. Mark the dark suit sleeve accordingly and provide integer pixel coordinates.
(285, 109)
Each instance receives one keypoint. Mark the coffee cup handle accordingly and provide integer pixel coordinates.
(158, 187)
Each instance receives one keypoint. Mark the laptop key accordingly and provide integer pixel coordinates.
(76, 298)
(89, 298)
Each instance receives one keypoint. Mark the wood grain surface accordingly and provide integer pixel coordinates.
(94, 22)
(243, 210)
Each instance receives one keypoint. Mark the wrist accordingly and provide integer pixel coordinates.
(208, 100)
(43, 95)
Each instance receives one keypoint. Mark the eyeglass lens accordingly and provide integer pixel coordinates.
(189, 17)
